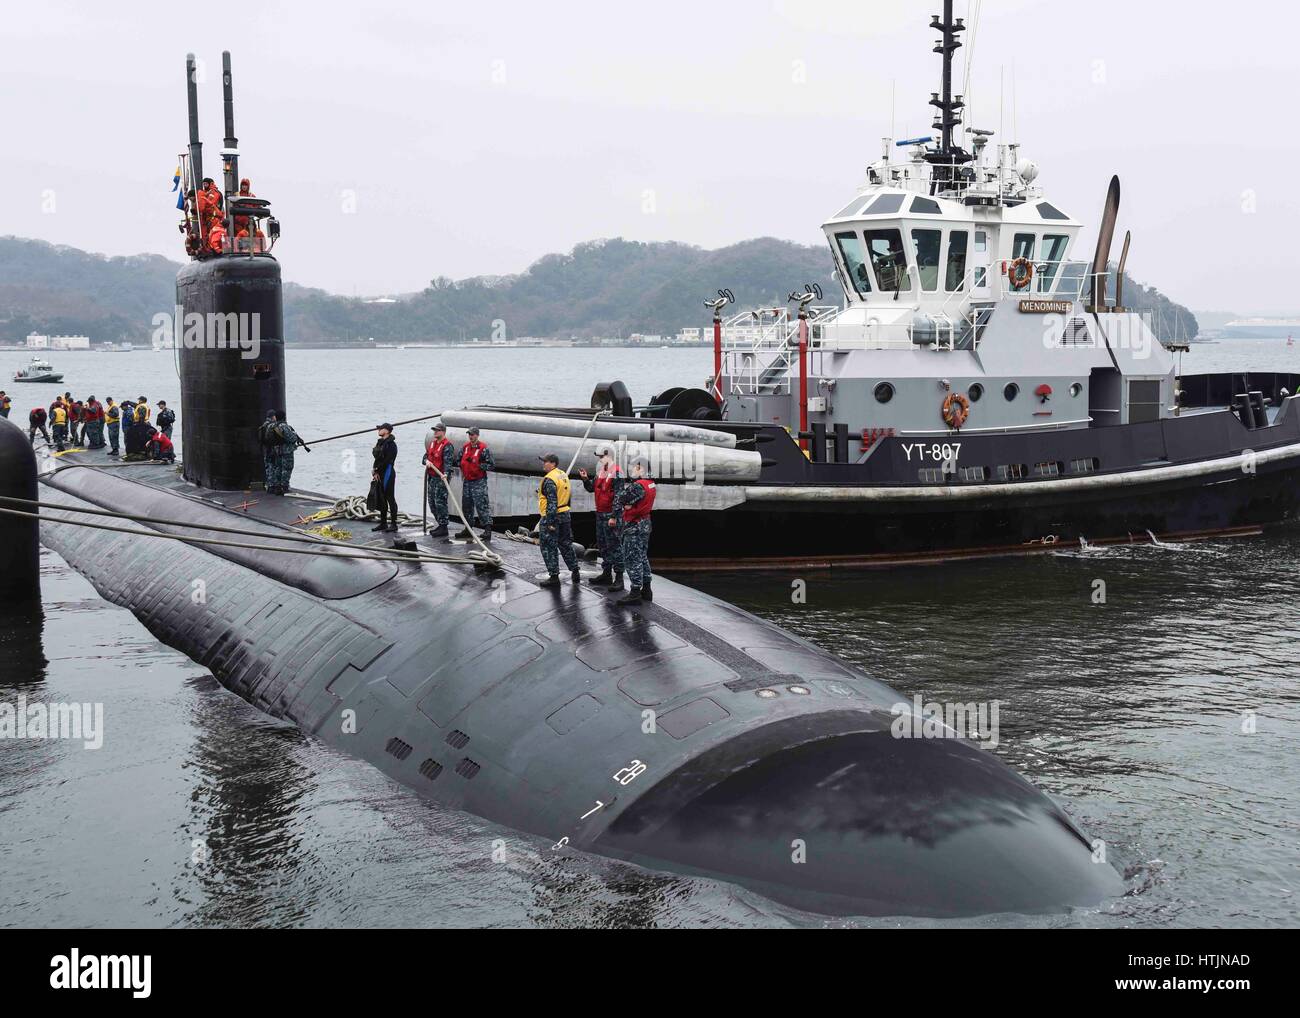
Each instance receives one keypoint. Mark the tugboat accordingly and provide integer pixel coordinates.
(981, 390)
(38, 371)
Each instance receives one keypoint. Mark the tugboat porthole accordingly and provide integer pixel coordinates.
(1011, 391)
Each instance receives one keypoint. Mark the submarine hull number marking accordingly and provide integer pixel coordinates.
(626, 775)
(939, 452)
(622, 776)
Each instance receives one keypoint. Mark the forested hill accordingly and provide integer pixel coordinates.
(601, 288)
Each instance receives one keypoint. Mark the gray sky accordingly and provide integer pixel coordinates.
(473, 138)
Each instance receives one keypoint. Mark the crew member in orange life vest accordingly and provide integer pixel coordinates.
(159, 447)
(605, 485)
(632, 507)
(441, 454)
(93, 430)
(241, 222)
(210, 202)
(475, 461)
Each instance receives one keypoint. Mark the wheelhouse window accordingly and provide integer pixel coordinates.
(925, 245)
(1022, 246)
(855, 264)
(889, 260)
(1053, 252)
(956, 277)
(885, 205)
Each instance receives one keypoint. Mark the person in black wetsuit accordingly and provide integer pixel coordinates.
(385, 475)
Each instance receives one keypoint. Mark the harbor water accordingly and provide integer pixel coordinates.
(1152, 689)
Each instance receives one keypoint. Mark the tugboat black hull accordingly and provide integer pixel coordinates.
(937, 497)
(814, 533)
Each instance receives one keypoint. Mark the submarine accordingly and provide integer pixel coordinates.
(684, 736)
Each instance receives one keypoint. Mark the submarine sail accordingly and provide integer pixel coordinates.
(229, 327)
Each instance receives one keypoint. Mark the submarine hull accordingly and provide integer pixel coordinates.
(686, 736)
(20, 570)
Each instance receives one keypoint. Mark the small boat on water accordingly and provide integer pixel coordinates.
(38, 371)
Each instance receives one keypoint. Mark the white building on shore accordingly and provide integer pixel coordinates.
(36, 341)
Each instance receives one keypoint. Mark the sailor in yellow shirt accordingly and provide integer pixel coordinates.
(113, 418)
(59, 421)
(142, 411)
(557, 523)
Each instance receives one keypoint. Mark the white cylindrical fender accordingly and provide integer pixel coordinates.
(572, 427)
(521, 452)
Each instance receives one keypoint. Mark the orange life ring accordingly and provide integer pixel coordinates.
(956, 408)
(1021, 274)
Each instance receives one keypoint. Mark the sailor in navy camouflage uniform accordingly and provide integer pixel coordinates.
(475, 461)
(441, 454)
(278, 443)
(632, 507)
(604, 486)
(556, 526)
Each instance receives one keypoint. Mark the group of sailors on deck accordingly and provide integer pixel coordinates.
(623, 501)
(75, 423)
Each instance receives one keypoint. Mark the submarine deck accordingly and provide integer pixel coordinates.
(658, 735)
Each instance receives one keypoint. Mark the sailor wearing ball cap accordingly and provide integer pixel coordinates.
(475, 461)
(556, 526)
(384, 475)
(604, 486)
(632, 507)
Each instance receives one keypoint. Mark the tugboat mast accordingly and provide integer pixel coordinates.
(948, 107)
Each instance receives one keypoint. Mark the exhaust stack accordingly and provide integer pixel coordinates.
(1104, 237)
(1119, 273)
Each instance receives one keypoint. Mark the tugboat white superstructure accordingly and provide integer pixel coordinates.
(982, 389)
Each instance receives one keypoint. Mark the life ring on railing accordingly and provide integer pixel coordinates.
(1021, 273)
(956, 408)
